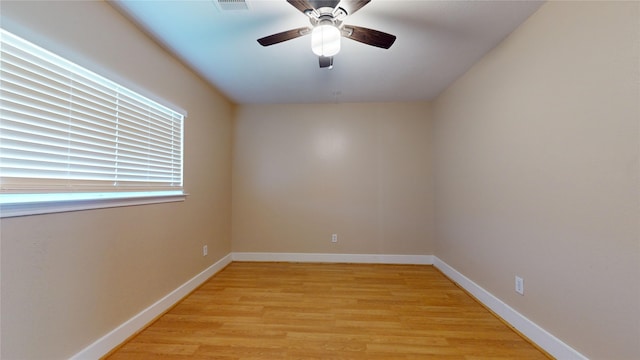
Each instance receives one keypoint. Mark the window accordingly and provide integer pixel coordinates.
(71, 139)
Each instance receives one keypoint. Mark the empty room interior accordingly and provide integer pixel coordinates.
(514, 175)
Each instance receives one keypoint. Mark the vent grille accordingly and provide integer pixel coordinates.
(227, 5)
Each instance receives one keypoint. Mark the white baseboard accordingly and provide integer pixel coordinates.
(528, 328)
(118, 335)
(334, 258)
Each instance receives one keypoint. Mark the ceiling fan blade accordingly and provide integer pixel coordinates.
(302, 5)
(352, 6)
(326, 61)
(283, 36)
(317, 4)
(369, 36)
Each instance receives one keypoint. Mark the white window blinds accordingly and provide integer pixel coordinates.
(66, 129)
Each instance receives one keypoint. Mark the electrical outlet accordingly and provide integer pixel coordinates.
(519, 285)
(334, 238)
(205, 250)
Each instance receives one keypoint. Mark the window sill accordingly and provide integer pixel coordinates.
(12, 205)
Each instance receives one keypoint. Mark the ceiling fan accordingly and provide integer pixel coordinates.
(327, 27)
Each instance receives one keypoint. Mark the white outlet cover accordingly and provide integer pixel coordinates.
(519, 285)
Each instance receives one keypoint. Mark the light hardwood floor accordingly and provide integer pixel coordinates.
(328, 311)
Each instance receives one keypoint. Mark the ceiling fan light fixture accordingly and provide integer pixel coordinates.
(325, 40)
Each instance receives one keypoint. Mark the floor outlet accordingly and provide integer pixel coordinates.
(205, 251)
(519, 285)
(334, 238)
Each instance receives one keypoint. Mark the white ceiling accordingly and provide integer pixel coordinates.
(437, 41)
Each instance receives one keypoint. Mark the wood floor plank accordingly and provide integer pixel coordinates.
(328, 311)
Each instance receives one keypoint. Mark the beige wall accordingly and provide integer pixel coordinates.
(67, 279)
(537, 174)
(303, 172)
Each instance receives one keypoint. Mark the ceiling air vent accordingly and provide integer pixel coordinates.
(226, 5)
